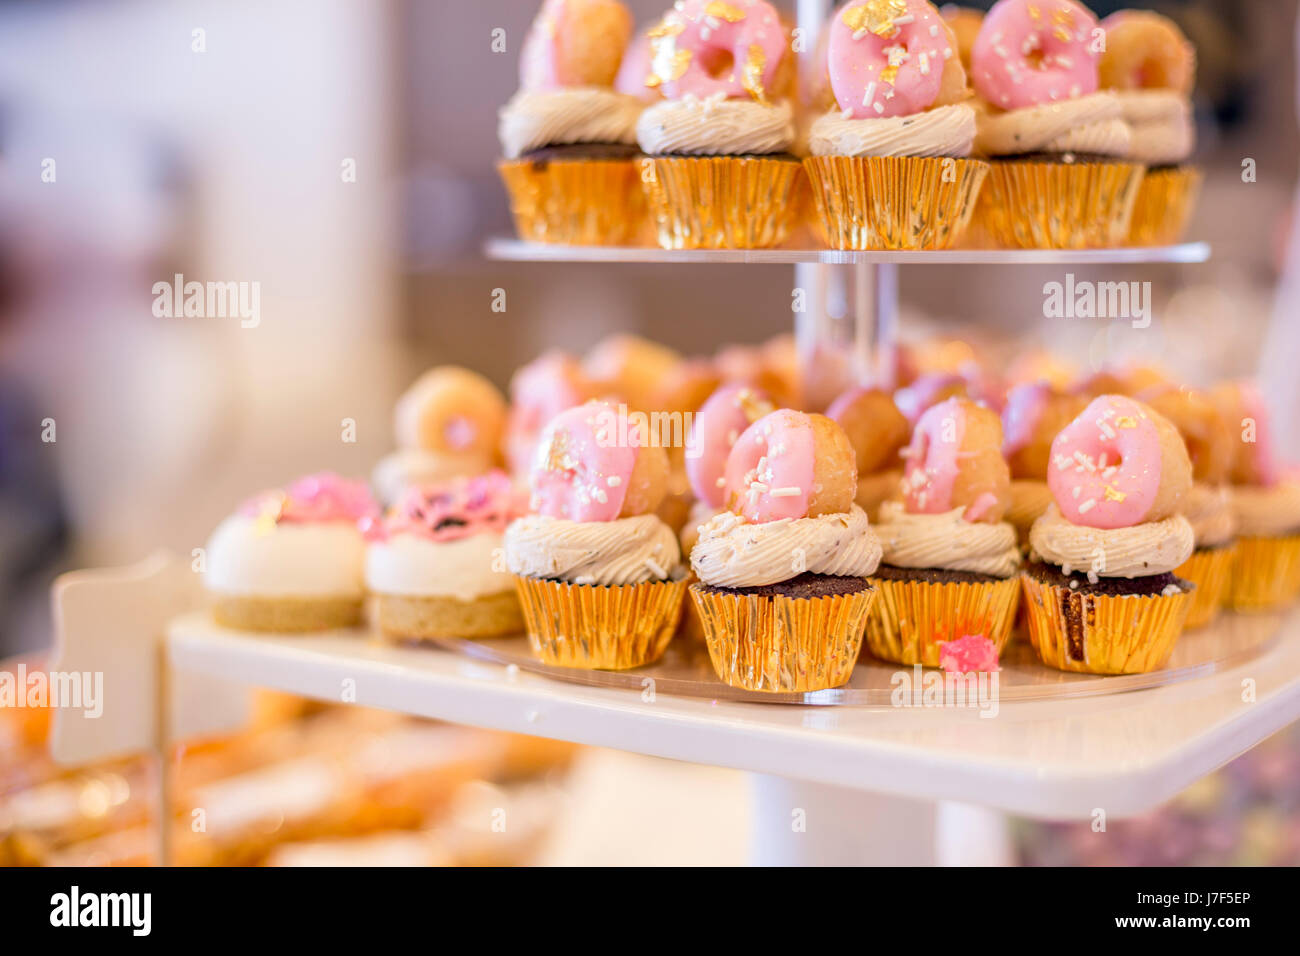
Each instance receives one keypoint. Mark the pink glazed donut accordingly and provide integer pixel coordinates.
(593, 463)
(887, 57)
(1119, 464)
(706, 47)
(770, 468)
(574, 43)
(955, 461)
(1031, 52)
(714, 431)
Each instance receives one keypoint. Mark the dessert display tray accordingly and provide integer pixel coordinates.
(1057, 758)
(518, 250)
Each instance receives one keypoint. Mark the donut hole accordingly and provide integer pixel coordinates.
(1035, 59)
(717, 62)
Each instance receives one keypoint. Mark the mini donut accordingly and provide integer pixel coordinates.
(893, 58)
(635, 70)
(1146, 51)
(752, 365)
(1033, 52)
(574, 43)
(965, 24)
(593, 464)
(1031, 418)
(451, 410)
(927, 391)
(629, 367)
(1254, 460)
(791, 465)
(539, 391)
(875, 426)
(705, 47)
(686, 387)
(955, 461)
(715, 428)
(1119, 464)
(1204, 429)
(1128, 382)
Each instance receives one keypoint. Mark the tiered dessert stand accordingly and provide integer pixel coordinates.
(846, 776)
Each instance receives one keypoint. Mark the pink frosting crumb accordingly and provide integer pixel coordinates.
(454, 510)
(968, 654)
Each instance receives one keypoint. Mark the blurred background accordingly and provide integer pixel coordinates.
(342, 155)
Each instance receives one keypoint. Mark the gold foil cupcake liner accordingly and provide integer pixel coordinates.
(894, 202)
(1046, 205)
(721, 202)
(782, 644)
(912, 618)
(1266, 574)
(578, 202)
(1164, 205)
(599, 627)
(1103, 634)
(1210, 569)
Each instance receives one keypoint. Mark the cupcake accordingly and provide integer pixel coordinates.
(877, 431)
(1031, 418)
(950, 562)
(599, 575)
(1101, 596)
(783, 592)
(1208, 507)
(1266, 503)
(1060, 177)
(890, 167)
(448, 424)
(569, 138)
(1151, 67)
(291, 560)
(719, 173)
(435, 566)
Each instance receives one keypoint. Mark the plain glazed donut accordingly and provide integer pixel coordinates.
(715, 429)
(574, 43)
(955, 461)
(893, 58)
(791, 465)
(1119, 464)
(1146, 51)
(1204, 429)
(593, 464)
(875, 426)
(1033, 415)
(630, 368)
(451, 410)
(703, 48)
(1034, 52)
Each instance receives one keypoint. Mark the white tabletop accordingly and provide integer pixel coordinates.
(1123, 753)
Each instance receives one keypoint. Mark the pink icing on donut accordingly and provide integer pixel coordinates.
(715, 429)
(1031, 52)
(706, 47)
(452, 511)
(320, 497)
(1106, 464)
(539, 391)
(886, 57)
(635, 70)
(913, 400)
(932, 462)
(584, 463)
(770, 469)
(1024, 407)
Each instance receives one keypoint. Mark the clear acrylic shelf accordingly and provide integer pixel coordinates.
(518, 250)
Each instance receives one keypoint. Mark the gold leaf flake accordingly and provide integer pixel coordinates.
(875, 16)
(752, 77)
(724, 11)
